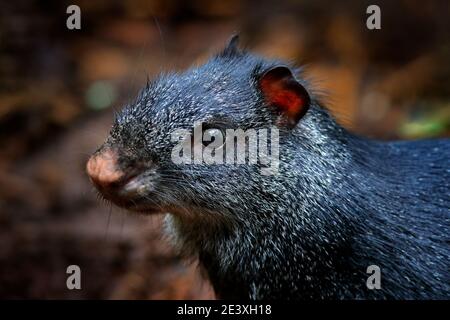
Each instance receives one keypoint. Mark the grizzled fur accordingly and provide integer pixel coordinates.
(339, 203)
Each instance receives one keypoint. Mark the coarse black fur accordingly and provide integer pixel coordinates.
(339, 203)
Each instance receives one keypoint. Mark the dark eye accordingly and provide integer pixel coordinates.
(213, 134)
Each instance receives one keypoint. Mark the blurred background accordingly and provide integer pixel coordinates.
(59, 88)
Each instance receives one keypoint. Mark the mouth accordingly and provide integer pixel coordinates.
(131, 194)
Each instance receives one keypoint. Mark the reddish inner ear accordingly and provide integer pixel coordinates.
(281, 90)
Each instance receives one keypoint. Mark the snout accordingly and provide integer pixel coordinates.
(104, 171)
(124, 187)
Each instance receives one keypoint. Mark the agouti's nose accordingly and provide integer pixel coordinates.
(103, 170)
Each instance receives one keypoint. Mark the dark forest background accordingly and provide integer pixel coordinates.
(59, 88)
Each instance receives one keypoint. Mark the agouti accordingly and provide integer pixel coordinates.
(335, 204)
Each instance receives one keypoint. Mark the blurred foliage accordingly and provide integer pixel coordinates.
(100, 95)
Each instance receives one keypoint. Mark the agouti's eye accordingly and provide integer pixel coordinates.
(213, 136)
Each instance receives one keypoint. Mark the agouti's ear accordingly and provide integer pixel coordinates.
(283, 92)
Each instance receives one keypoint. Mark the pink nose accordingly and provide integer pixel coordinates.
(103, 170)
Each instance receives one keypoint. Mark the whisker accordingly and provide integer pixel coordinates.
(108, 221)
(163, 46)
(122, 225)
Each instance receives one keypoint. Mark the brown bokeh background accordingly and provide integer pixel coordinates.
(59, 88)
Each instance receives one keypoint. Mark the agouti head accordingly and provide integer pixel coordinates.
(136, 169)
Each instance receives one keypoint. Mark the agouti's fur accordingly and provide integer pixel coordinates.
(339, 203)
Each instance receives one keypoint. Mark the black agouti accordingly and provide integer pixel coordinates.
(336, 203)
